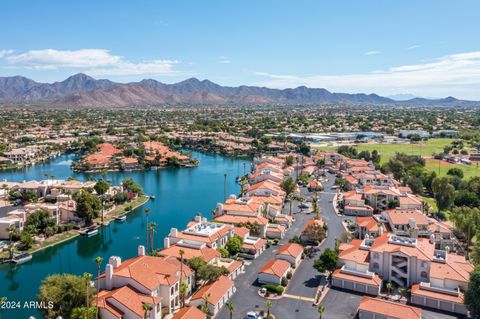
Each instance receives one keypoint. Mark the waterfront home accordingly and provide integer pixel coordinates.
(371, 308)
(213, 234)
(149, 275)
(129, 163)
(214, 295)
(12, 219)
(127, 302)
(190, 249)
(189, 313)
(291, 252)
(273, 272)
(260, 222)
(265, 188)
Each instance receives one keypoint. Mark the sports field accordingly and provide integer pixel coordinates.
(425, 149)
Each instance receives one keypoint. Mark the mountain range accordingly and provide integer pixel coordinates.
(81, 90)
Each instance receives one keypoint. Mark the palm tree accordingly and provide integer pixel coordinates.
(98, 261)
(181, 252)
(389, 287)
(147, 212)
(230, 307)
(152, 227)
(87, 277)
(269, 305)
(401, 290)
(2, 301)
(147, 308)
(183, 292)
(204, 307)
(288, 186)
(321, 310)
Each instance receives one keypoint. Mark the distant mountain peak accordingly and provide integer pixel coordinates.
(83, 90)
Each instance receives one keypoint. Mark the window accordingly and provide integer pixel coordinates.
(424, 264)
(375, 256)
(172, 290)
(376, 266)
(424, 274)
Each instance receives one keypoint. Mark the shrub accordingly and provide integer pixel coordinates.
(274, 288)
(284, 281)
(289, 275)
(276, 241)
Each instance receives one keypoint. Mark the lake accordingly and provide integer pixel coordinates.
(180, 194)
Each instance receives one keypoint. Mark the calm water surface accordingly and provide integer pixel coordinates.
(180, 195)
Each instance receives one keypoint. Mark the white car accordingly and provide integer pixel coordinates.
(253, 315)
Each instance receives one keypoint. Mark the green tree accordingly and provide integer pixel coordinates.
(321, 310)
(131, 186)
(234, 245)
(289, 160)
(64, 292)
(210, 273)
(26, 241)
(98, 261)
(269, 306)
(40, 220)
(327, 261)
(455, 171)
(146, 308)
(196, 263)
(101, 187)
(471, 295)
(389, 287)
(88, 205)
(443, 192)
(288, 186)
(467, 221)
(223, 252)
(476, 254)
(81, 313)
(230, 308)
(152, 229)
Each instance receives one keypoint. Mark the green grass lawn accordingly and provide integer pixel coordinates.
(433, 145)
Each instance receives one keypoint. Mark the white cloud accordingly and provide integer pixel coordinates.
(96, 62)
(456, 74)
(53, 59)
(412, 47)
(373, 52)
(4, 53)
(223, 60)
(125, 68)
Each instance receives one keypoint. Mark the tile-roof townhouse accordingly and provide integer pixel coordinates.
(213, 234)
(127, 302)
(236, 220)
(190, 313)
(368, 226)
(404, 222)
(290, 252)
(265, 175)
(149, 275)
(275, 231)
(265, 188)
(190, 250)
(370, 308)
(273, 271)
(437, 277)
(215, 295)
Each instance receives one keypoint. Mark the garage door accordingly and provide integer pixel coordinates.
(349, 285)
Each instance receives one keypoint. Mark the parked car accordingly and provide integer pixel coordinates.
(253, 315)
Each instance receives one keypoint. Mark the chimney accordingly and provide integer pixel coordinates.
(204, 219)
(219, 211)
(233, 196)
(115, 261)
(432, 239)
(141, 250)
(109, 277)
(174, 232)
(166, 242)
(198, 218)
(438, 228)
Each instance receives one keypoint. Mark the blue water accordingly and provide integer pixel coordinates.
(180, 194)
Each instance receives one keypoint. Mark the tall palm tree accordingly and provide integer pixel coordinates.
(204, 307)
(98, 261)
(389, 287)
(87, 277)
(147, 308)
(230, 307)
(152, 227)
(269, 305)
(181, 252)
(321, 310)
(183, 292)
(147, 212)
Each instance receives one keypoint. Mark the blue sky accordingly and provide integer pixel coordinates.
(426, 48)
